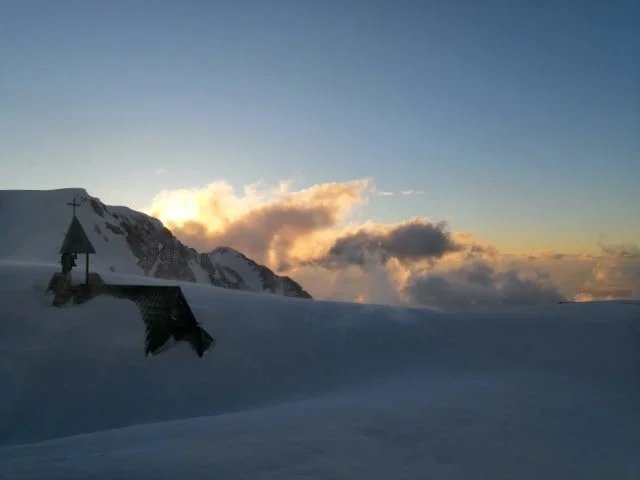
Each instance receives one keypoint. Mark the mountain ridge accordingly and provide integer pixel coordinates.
(126, 241)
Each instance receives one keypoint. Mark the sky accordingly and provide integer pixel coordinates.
(515, 121)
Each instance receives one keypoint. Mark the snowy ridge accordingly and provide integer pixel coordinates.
(298, 389)
(232, 259)
(256, 277)
(126, 241)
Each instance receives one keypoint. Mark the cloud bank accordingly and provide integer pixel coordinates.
(480, 285)
(318, 236)
(615, 274)
(273, 226)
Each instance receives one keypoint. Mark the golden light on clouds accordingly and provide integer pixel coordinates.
(273, 225)
(175, 208)
(311, 234)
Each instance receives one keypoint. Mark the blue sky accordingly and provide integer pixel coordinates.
(519, 120)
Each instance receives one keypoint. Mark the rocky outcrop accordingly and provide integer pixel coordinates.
(97, 206)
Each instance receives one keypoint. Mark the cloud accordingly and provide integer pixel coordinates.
(374, 284)
(628, 250)
(480, 285)
(271, 225)
(615, 274)
(612, 274)
(412, 241)
(160, 171)
(314, 236)
(386, 193)
(589, 294)
(546, 256)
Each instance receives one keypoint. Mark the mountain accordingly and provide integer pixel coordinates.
(126, 241)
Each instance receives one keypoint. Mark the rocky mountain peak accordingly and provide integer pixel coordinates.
(127, 241)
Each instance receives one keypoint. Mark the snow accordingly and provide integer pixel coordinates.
(32, 219)
(230, 258)
(35, 222)
(311, 389)
(201, 275)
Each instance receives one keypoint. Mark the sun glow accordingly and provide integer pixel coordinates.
(176, 209)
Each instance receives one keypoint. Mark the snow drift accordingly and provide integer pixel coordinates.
(316, 389)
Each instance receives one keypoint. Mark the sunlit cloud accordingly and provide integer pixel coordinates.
(387, 193)
(271, 225)
(614, 275)
(411, 241)
(481, 285)
(315, 236)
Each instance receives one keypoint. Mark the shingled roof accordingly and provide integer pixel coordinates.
(76, 240)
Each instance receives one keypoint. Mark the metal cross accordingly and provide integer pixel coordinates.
(74, 205)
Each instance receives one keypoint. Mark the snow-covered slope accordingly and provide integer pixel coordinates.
(256, 277)
(34, 223)
(298, 389)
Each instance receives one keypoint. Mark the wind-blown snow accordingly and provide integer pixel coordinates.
(299, 389)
